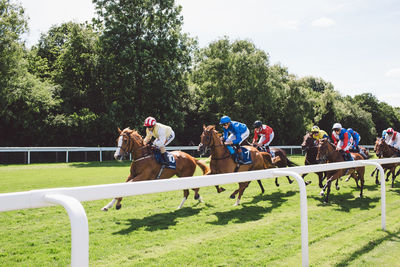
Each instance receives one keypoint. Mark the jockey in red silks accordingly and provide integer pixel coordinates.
(392, 138)
(265, 133)
(343, 140)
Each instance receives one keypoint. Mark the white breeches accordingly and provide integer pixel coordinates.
(161, 142)
(262, 139)
(244, 135)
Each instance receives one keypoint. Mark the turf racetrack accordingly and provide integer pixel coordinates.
(149, 231)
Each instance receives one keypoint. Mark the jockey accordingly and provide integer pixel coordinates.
(384, 134)
(163, 135)
(317, 133)
(266, 134)
(343, 140)
(392, 138)
(356, 140)
(234, 134)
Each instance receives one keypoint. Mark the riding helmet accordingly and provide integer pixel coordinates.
(257, 124)
(224, 119)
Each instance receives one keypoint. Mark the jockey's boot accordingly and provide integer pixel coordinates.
(239, 152)
(165, 159)
(363, 154)
(348, 157)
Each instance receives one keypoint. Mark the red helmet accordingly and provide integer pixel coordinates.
(149, 122)
(390, 131)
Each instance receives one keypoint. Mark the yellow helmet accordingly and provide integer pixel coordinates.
(315, 128)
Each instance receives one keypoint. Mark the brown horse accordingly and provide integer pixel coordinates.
(222, 161)
(327, 151)
(310, 146)
(383, 150)
(145, 167)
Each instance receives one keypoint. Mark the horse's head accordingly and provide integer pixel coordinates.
(126, 142)
(208, 138)
(380, 147)
(323, 150)
(308, 142)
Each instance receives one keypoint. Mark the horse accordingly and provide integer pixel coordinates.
(222, 161)
(280, 160)
(310, 146)
(328, 152)
(144, 165)
(383, 150)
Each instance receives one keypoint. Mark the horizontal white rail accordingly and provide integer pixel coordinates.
(28, 150)
(46, 197)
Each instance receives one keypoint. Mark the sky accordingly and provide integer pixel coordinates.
(354, 44)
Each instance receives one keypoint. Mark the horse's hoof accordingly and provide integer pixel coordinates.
(232, 196)
(118, 207)
(104, 209)
(291, 181)
(277, 184)
(196, 197)
(221, 189)
(337, 188)
(307, 182)
(322, 193)
(387, 180)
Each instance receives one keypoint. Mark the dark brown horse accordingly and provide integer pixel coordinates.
(222, 161)
(311, 147)
(383, 150)
(144, 166)
(327, 152)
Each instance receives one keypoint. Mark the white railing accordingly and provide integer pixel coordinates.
(28, 150)
(70, 198)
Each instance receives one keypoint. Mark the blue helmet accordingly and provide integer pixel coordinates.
(383, 133)
(224, 119)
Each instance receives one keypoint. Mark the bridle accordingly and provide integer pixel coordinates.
(211, 143)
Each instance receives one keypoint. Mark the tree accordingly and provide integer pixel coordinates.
(144, 57)
(25, 100)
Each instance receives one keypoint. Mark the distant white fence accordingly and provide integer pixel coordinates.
(70, 198)
(28, 150)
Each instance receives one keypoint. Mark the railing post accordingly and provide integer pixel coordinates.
(66, 156)
(79, 228)
(101, 156)
(383, 192)
(29, 156)
(303, 210)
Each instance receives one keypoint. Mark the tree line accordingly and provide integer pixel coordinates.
(82, 81)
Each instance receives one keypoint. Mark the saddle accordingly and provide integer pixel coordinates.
(246, 156)
(346, 156)
(171, 164)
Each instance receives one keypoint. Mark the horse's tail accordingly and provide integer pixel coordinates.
(267, 160)
(290, 163)
(202, 166)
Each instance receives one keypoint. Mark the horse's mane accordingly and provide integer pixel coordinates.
(211, 128)
(133, 133)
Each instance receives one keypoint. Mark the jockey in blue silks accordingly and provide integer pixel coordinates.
(384, 134)
(356, 140)
(234, 134)
(343, 140)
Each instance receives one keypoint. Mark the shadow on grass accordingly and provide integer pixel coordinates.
(347, 201)
(368, 247)
(159, 221)
(252, 213)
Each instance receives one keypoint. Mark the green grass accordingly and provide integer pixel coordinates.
(149, 231)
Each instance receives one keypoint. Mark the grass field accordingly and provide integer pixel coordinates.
(149, 231)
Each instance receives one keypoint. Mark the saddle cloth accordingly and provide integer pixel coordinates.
(160, 159)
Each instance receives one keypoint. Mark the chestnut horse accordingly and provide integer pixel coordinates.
(310, 146)
(222, 161)
(383, 150)
(145, 167)
(327, 151)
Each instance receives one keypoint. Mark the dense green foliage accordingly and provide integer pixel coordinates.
(148, 231)
(82, 81)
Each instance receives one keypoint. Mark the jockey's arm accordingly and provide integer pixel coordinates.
(148, 137)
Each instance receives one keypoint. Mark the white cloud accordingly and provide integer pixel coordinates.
(393, 73)
(323, 22)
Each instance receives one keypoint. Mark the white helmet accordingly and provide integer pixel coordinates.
(337, 126)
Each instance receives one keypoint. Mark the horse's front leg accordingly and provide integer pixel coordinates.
(118, 200)
(242, 187)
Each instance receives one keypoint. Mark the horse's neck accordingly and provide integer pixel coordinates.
(387, 151)
(218, 150)
(333, 155)
(139, 151)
